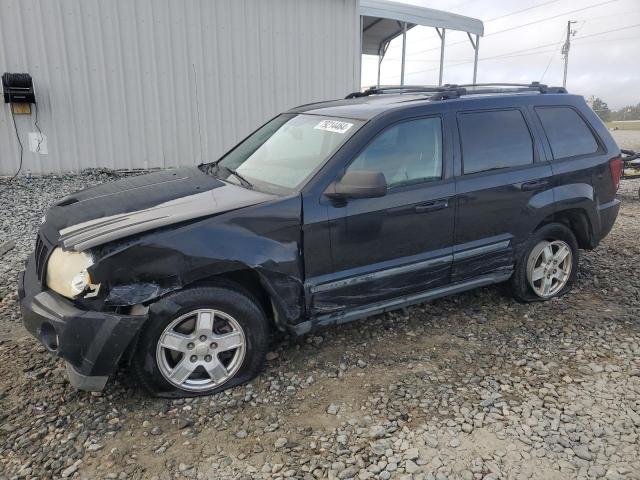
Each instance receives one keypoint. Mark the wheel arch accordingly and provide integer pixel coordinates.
(577, 220)
(250, 280)
(245, 280)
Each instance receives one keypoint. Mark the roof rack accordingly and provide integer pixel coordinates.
(397, 89)
(450, 91)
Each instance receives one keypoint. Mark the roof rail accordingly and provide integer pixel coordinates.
(456, 91)
(541, 87)
(449, 91)
(397, 89)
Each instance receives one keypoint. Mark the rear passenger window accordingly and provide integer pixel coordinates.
(567, 133)
(496, 139)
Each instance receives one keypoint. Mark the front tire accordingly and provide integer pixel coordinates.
(201, 341)
(548, 265)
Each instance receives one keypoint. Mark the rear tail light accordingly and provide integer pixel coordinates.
(615, 165)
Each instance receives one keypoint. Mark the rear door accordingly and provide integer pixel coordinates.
(577, 151)
(501, 182)
(582, 176)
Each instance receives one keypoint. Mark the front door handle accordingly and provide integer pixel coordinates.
(432, 205)
(534, 185)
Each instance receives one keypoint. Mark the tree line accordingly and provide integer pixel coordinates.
(630, 112)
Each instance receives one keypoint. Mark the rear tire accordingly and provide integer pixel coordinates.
(201, 341)
(547, 266)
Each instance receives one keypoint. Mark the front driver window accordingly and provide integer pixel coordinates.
(406, 153)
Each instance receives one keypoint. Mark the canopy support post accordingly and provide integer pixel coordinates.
(441, 34)
(361, 59)
(476, 48)
(404, 51)
(382, 51)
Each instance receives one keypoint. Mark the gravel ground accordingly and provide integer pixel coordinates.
(471, 386)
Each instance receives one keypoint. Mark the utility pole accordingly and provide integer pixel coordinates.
(565, 51)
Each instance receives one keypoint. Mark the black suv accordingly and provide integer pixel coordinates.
(330, 212)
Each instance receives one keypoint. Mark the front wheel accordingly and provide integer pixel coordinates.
(547, 267)
(201, 341)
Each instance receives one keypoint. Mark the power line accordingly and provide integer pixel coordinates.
(520, 11)
(555, 49)
(551, 17)
(512, 13)
(553, 55)
(495, 56)
(510, 54)
(635, 37)
(608, 31)
(618, 14)
(502, 57)
(524, 25)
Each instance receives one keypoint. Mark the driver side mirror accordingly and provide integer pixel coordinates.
(358, 184)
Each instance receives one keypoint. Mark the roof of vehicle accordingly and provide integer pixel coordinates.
(370, 103)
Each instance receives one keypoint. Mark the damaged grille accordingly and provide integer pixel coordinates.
(41, 255)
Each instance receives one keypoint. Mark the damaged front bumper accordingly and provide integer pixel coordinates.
(90, 342)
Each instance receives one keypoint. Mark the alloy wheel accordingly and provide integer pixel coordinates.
(549, 267)
(201, 350)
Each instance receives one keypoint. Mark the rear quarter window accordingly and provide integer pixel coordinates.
(494, 139)
(567, 132)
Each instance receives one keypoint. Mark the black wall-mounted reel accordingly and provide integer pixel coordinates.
(18, 88)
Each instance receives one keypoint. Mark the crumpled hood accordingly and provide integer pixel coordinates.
(133, 205)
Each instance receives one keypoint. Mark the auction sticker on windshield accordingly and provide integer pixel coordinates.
(334, 126)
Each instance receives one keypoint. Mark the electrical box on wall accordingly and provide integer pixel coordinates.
(18, 91)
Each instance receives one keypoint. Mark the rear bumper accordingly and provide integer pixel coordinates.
(91, 342)
(607, 213)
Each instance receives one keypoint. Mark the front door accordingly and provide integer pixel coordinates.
(501, 191)
(383, 248)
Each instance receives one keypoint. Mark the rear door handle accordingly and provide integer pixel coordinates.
(432, 205)
(534, 185)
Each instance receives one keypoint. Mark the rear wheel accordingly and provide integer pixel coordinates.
(201, 341)
(548, 265)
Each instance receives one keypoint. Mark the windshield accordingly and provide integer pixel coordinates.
(281, 155)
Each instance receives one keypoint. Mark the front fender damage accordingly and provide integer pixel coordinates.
(144, 269)
(284, 291)
(138, 293)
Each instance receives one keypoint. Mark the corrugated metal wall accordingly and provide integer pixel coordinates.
(157, 83)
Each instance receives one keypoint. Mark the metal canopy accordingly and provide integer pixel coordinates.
(383, 20)
(378, 32)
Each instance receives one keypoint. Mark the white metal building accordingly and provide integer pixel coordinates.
(128, 84)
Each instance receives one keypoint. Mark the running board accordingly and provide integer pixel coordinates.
(400, 302)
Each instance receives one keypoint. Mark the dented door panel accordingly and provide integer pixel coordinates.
(383, 281)
(386, 247)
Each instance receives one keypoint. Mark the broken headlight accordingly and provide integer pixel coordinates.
(67, 273)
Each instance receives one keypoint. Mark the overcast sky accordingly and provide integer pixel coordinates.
(606, 65)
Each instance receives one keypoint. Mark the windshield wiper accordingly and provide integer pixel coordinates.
(233, 172)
